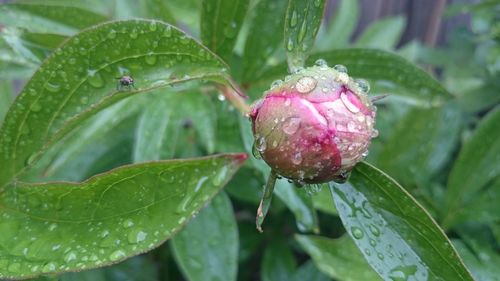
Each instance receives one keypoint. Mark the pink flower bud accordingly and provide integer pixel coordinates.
(315, 126)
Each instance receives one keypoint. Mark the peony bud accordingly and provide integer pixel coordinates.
(315, 126)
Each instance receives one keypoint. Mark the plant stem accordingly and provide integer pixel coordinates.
(265, 202)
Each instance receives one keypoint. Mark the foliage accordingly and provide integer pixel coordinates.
(93, 173)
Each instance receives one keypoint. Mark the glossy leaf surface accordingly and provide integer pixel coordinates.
(81, 78)
(207, 248)
(420, 144)
(475, 177)
(339, 258)
(62, 226)
(267, 22)
(302, 22)
(220, 24)
(46, 18)
(397, 237)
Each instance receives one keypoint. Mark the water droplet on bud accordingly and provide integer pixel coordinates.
(363, 85)
(321, 62)
(291, 125)
(260, 144)
(297, 158)
(306, 84)
(340, 68)
(276, 83)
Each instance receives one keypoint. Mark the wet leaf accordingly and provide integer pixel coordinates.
(267, 22)
(46, 18)
(63, 226)
(221, 21)
(420, 144)
(6, 97)
(341, 26)
(302, 22)
(397, 237)
(80, 78)
(339, 258)
(475, 176)
(207, 248)
(383, 34)
(411, 82)
(162, 123)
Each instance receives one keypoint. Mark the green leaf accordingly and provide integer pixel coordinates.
(265, 36)
(411, 82)
(322, 200)
(43, 18)
(303, 19)
(207, 248)
(397, 237)
(63, 226)
(341, 26)
(300, 204)
(34, 47)
(278, 262)
(476, 173)
(6, 97)
(99, 144)
(483, 264)
(420, 144)
(383, 34)
(160, 129)
(80, 78)
(221, 21)
(339, 258)
(308, 271)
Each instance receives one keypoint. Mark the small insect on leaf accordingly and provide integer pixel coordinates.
(125, 81)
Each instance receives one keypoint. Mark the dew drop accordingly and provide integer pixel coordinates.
(290, 45)
(357, 232)
(52, 87)
(374, 230)
(374, 133)
(133, 34)
(136, 235)
(128, 223)
(230, 30)
(95, 79)
(293, 19)
(150, 59)
(302, 32)
(291, 125)
(112, 34)
(340, 68)
(70, 256)
(306, 84)
(363, 85)
(255, 152)
(373, 243)
(261, 144)
(51, 266)
(321, 62)
(72, 61)
(14, 267)
(167, 32)
(276, 83)
(84, 100)
(116, 255)
(152, 26)
(297, 158)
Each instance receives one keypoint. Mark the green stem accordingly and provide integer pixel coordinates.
(265, 202)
